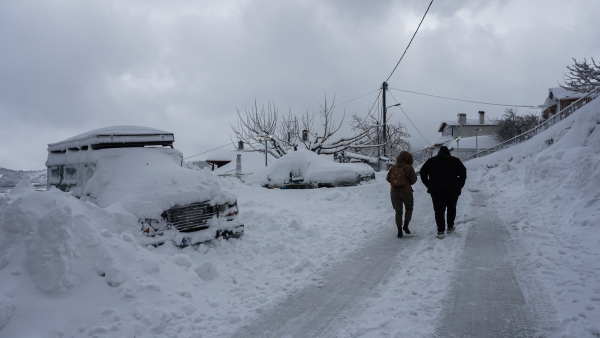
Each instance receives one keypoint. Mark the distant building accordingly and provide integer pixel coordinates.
(469, 133)
(557, 100)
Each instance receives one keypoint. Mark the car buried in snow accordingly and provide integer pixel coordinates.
(137, 170)
(305, 169)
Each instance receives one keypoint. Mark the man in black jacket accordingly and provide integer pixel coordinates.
(444, 176)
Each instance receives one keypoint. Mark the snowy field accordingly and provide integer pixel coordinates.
(71, 269)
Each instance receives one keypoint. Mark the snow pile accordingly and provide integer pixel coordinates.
(309, 166)
(548, 192)
(60, 237)
(58, 252)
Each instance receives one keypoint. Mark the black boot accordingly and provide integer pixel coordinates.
(399, 232)
(405, 228)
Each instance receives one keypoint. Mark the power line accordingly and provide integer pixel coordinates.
(356, 98)
(411, 39)
(228, 144)
(410, 120)
(450, 98)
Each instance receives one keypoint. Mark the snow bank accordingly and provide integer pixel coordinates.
(58, 252)
(309, 166)
(60, 237)
(548, 192)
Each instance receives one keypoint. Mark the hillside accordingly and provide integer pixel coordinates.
(10, 178)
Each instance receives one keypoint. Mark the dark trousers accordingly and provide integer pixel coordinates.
(441, 203)
(400, 198)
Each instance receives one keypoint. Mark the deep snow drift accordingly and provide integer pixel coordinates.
(71, 269)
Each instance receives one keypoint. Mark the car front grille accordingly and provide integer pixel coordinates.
(190, 218)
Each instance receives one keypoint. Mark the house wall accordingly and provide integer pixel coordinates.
(469, 130)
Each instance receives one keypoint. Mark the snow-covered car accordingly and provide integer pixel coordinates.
(305, 169)
(137, 170)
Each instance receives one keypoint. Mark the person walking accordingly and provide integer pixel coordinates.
(444, 176)
(401, 177)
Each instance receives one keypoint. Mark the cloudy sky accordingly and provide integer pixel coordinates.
(186, 66)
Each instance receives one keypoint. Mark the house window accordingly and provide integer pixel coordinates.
(447, 132)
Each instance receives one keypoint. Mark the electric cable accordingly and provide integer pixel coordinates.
(228, 144)
(450, 98)
(411, 39)
(411, 122)
(355, 98)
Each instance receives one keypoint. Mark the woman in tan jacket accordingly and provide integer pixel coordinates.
(403, 195)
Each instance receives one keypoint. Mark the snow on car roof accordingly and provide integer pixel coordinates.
(116, 135)
(310, 166)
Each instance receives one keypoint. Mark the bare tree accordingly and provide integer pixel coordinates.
(256, 123)
(582, 76)
(397, 137)
(288, 133)
(327, 143)
(512, 124)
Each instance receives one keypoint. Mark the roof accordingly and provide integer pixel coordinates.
(557, 94)
(562, 94)
(473, 122)
(115, 136)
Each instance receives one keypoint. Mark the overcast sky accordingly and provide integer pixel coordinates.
(67, 67)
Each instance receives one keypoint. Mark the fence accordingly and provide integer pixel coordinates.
(540, 127)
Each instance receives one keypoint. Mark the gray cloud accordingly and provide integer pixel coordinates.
(186, 66)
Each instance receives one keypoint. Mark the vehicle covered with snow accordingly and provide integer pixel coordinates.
(137, 169)
(306, 169)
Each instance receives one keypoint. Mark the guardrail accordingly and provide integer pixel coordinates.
(540, 127)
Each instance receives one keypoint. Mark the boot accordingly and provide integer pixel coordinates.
(399, 232)
(405, 228)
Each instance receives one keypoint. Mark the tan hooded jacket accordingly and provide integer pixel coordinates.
(402, 160)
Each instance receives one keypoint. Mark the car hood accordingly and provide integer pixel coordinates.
(148, 181)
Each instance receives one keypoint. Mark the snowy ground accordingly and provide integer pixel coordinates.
(71, 269)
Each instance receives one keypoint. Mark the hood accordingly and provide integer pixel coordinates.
(405, 157)
(444, 151)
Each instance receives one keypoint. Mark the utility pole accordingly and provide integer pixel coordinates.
(384, 86)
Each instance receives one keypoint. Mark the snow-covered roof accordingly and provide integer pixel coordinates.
(108, 137)
(562, 94)
(556, 94)
(361, 157)
(474, 122)
(252, 161)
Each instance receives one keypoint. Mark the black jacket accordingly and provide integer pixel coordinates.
(443, 173)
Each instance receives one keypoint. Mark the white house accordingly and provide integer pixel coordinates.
(464, 136)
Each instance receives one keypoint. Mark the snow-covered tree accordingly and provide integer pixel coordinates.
(582, 77)
(512, 124)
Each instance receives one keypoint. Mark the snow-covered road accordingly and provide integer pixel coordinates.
(474, 293)
(388, 286)
(485, 298)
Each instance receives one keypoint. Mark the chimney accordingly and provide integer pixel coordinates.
(462, 119)
(481, 117)
(240, 145)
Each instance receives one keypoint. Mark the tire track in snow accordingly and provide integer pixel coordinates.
(486, 300)
(319, 311)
